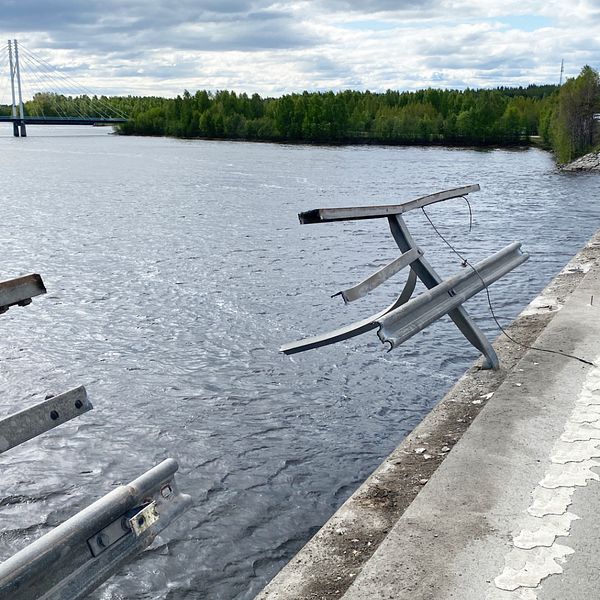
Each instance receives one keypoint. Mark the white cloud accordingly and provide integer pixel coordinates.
(131, 46)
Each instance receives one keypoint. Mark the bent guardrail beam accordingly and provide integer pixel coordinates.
(402, 323)
(379, 277)
(354, 213)
(20, 291)
(394, 322)
(39, 418)
(81, 553)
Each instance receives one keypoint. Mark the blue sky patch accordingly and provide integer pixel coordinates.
(369, 25)
(526, 22)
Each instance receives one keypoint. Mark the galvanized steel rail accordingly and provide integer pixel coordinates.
(77, 556)
(379, 277)
(354, 213)
(406, 317)
(35, 420)
(402, 323)
(20, 291)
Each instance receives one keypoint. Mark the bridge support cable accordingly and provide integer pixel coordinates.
(42, 94)
(52, 91)
(44, 84)
(4, 76)
(71, 87)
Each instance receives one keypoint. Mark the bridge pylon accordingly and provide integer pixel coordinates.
(15, 73)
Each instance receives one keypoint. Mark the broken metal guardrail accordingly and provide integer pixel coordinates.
(405, 317)
(76, 557)
(20, 291)
(35, 420)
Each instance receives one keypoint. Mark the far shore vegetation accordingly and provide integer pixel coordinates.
(560, 118)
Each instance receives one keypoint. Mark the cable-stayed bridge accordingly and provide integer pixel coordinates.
(37, 93)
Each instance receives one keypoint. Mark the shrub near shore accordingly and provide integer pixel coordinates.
(570, 121)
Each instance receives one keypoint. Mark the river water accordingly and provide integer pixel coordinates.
(175, 269)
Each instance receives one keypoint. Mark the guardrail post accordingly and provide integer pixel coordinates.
(428, 275)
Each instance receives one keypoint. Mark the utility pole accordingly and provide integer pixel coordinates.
(12, 87)
(18, 71)
(562, 71)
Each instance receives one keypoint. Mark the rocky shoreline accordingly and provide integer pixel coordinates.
(589, 162)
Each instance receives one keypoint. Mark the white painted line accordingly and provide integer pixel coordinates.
(535, 554)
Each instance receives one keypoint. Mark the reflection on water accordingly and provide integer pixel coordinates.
(176, 269)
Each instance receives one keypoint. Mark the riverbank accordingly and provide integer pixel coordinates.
(590, 162)
(358, 550)
(465, 143)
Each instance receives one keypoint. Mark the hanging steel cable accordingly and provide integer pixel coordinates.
(5, 101)
(47, 95)
(71, 87)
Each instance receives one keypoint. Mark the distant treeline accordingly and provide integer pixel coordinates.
(471, 117)
(561, 116)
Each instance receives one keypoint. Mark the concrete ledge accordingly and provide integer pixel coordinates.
(329, 563)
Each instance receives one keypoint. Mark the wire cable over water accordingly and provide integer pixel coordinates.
(465, 263)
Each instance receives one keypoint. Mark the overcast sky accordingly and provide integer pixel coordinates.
(163, 47)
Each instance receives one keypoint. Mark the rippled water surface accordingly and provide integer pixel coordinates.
(175, 269)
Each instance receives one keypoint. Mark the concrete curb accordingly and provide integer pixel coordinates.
(329, 563)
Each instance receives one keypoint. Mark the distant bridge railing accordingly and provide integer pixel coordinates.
(62, 120)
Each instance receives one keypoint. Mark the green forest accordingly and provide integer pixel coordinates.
(561, 118)
(425, 117)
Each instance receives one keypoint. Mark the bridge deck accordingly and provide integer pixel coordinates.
(61, 120)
